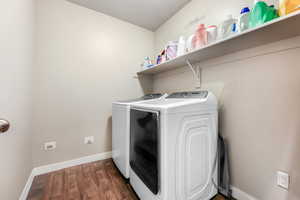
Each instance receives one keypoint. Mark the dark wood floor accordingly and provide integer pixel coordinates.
(94, 181)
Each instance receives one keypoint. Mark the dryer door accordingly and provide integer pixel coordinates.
(144, 147)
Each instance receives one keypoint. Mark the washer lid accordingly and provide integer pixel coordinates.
(189, 95)
(143, 98)
(181, 100)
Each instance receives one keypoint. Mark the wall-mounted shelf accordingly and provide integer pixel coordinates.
(278, 29)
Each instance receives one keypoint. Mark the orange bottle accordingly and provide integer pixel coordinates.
(288, 6)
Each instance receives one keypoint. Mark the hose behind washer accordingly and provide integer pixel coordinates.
(222, 160)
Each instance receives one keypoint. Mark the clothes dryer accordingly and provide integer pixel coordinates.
(120, 131)
(173, 147)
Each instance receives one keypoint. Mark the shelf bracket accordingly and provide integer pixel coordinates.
(196, 72)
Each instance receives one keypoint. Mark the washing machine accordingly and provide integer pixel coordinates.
(173, 147)
(120, 130)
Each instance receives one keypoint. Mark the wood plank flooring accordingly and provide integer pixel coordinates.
(93, 181)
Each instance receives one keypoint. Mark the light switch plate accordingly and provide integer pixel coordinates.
(283, 179)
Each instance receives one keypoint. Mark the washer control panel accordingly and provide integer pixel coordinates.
(195, 94)
(152, 96)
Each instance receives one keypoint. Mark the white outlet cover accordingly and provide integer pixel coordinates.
(89, 140)
(49, 146)
(283, 179)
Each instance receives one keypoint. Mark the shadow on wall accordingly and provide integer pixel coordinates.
(228, 174)
(146, 83)
(294, 192)
(109, 133)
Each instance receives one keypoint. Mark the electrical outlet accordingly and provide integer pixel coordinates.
(283, 180)
(89, 140)
(48, 146)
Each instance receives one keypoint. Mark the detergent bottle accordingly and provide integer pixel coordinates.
(261, 13)
(288, 6)
(243, 21)
(228, 27)
(200, 38)
(271, 14)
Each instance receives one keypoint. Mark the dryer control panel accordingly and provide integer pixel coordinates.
(195, 94)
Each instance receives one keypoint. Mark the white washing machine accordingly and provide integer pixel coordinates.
(120, 131)
(173, 145)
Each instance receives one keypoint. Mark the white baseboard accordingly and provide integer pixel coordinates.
(27, 187)
(241, 195)
(61, 165)
(58, 166)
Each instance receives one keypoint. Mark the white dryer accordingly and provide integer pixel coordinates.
(173, 145)
(120, 131)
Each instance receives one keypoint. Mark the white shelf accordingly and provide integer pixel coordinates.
(275, 30)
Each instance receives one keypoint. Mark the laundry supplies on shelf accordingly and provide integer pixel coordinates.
(212, 34)
(243, 21)
(189, 43)
(262, 13)
(171, 50)
(181, 47)
(199, 45)
(288, 6)
(161, 58)
(228, 27)
(147, 63)
(200, 37)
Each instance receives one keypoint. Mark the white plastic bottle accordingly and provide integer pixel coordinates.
(228, 27)
(212, 34)
(181, 48)
(189, 43)
(243, 23)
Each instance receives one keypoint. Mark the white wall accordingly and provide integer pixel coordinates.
(16, 61)
(259, 94)
(85, 61)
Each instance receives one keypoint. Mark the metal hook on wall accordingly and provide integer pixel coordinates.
(196, 72)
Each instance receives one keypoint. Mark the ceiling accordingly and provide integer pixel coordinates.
(149, 14)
